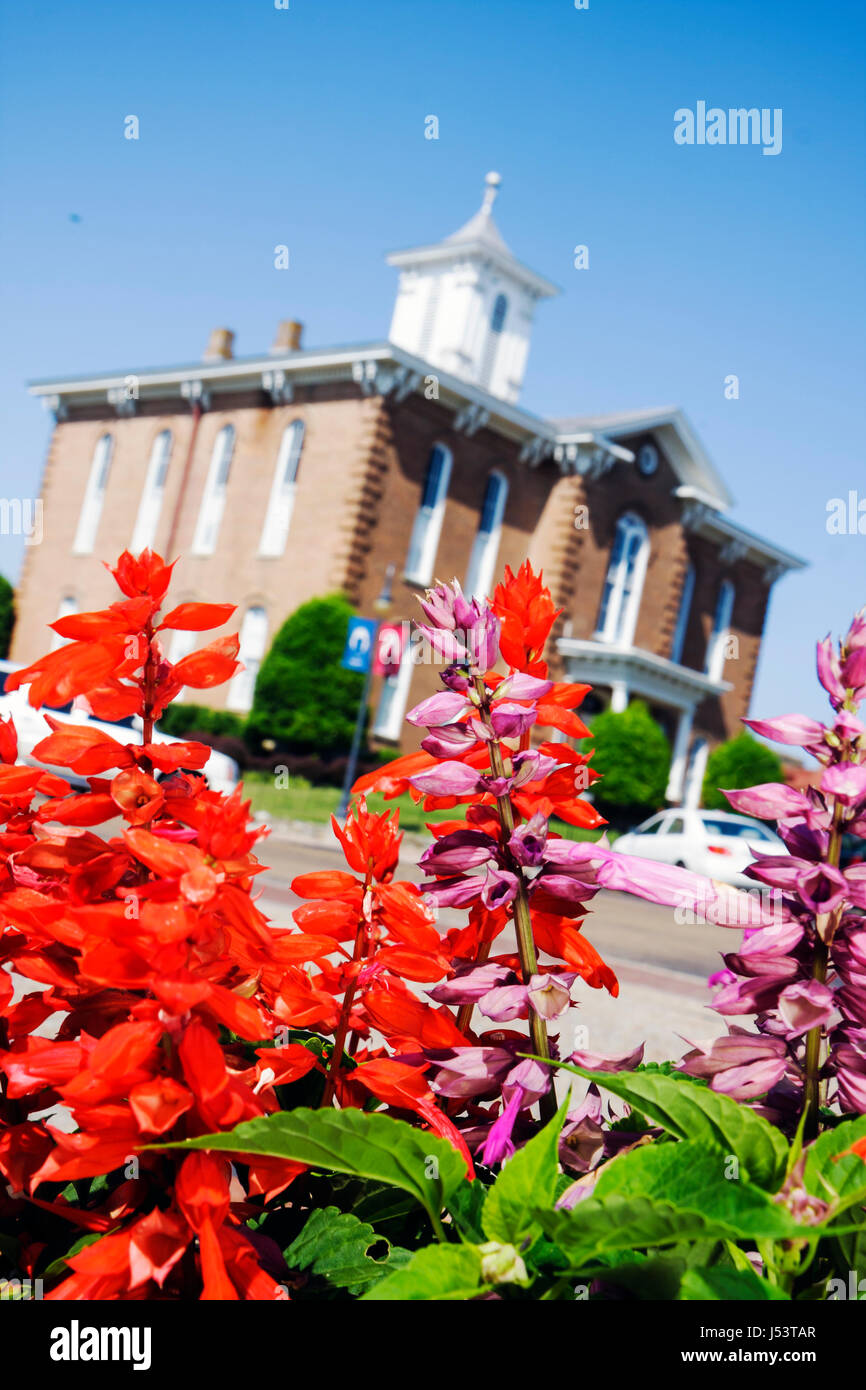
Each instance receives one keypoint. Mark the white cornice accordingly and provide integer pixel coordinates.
(588, 445)
(737, 542)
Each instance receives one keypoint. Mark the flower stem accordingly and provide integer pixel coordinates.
(826, 924)
(522, 917)
(345, 1011)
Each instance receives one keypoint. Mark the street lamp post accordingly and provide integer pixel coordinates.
(381, 606)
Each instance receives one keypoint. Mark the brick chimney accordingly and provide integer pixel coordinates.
(219, 346)
(288, 337)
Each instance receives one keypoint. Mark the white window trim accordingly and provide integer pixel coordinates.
(213, 500)
(253, 645)
(281, 502)
(485, 549)
(715, 662)
(620, 618)
(683, 615)
(393, 699)
(150, 505)
(94, 496)
(428, 524)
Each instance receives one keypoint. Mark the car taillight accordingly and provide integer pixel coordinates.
(718, 849)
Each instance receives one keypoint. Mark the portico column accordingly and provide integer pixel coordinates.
(618, 696)
(674, 791)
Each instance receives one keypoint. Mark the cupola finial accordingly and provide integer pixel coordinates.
(492, 182)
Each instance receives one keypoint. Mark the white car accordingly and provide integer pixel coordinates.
(221, 771)
(717, 844)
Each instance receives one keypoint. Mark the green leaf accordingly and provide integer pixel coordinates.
(59, 1266)
(527, 1179)
(692, 1176)
(841, 1181)
(601, 1225)
(466, 1205)
(438, 1272)
(723, 1285)
(336, 1245)
(695, 1112)
(349, 1141)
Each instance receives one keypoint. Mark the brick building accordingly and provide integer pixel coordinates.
(300, 471)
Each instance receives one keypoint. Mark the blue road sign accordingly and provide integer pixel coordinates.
(359, 644)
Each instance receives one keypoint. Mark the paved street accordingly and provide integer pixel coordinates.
(662, 965)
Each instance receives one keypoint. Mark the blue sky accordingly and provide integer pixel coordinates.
(305, 127)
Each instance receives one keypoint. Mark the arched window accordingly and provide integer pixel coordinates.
(150, 506)
(388, 723)
(94, 496)
(67, 606)
(625, 576)
(694, 778)
(683, 615)
(715, 663)
(497, 317)
(282, 499)
(253, 641)
(428, 522)
(482, 562)
(213, 501)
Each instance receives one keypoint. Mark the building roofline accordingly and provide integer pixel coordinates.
(381, 367)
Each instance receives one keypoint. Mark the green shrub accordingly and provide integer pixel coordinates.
(741, 762)
(7, 616)
(304, 700)
(634, 755)
(180, 720)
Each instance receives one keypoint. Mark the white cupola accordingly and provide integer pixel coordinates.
(466, 304)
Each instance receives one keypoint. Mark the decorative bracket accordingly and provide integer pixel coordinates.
(57, 406)
(534, 450)
(278, 387)
(471, 419)
(123, 402)
(195, 393)
(732, 551)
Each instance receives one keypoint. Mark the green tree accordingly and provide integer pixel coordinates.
(632, 752)
(7, 616)
(304, 700)
(741, 762)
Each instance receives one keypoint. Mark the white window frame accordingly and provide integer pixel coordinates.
(715, 662)
(281, 501)
(150, 505)
(623, 585)
(683, 615)
(213, 500)
(253, 645)
(428, 521)
(394, 696)
(485, 550)
(94, 496)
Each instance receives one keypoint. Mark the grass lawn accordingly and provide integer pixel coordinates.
(302, 802)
